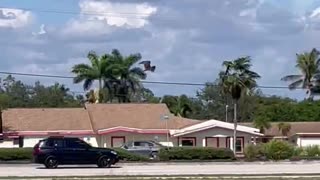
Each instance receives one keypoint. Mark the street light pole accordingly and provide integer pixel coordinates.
(166, 118)
(227, 113)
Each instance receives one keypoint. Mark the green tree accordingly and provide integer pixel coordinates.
(307, 63)
(178, 105)
(238, 79)
(128, 76)
(99, 69)
(284, 128)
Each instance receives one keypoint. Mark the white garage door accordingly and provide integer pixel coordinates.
(310, 141)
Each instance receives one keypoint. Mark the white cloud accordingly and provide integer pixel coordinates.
(132, 15)
(14, 18)
(41, 31)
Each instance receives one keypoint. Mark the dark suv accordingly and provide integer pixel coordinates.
(55, 151)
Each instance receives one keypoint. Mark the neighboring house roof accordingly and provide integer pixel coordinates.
(296, 128)
(46, 120)
(213, 124)
(138, 116)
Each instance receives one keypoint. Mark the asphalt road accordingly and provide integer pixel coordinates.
(163, 169)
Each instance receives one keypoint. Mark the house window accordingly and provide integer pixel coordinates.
(16, 141)
(188, 141)
(239, 144)
(117, 141)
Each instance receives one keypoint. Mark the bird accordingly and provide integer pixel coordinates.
(147, 66)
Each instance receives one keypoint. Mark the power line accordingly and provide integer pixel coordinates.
(144, 82)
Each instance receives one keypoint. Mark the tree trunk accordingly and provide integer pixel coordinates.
(235, 128)
(100, 91)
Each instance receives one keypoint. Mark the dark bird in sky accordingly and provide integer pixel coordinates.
(147, 66)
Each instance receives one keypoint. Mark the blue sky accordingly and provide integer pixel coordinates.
(187, 39)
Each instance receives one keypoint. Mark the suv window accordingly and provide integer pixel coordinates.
(53, 143)
(76, 143)
(142, 144)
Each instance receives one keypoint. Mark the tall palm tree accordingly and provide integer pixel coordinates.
(128, 77)
(308, 65)
(237, 80)
(284, 128)
(99, 69)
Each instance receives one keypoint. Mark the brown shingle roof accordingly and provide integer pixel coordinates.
(296, 127)
(103, 116)
(142, 116)
(48, 119)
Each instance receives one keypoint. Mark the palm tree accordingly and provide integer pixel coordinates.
(128, 77)
(262, 124)
(308, 64)
(178, 105)
(99, 69)
(284, 128)
(237, 80)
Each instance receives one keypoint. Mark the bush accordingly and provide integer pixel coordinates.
(278, 150)
(312, 151)
(127, 156)
(254, 152)
(9, 154)
(186, 153)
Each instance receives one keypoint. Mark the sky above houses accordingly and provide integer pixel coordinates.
(186, 39)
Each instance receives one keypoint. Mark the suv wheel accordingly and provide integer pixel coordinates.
(104, 162)
(51, 162)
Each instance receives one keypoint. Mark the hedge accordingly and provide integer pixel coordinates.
(127, 156)
(10, 154)
(185, 153)
(14, 154)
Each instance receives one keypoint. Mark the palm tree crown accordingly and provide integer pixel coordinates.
(98, 69)
(308, 64)
(238, 77)
(127, 77)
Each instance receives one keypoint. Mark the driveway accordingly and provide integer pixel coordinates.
(164, 169)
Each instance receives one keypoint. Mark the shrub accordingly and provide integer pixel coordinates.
(191, 153)
(279, 150)
(312, 151)
(254, 152)
(9, 154)
(127, 156)
(298, 151)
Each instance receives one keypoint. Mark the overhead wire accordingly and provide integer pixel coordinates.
(142, 81)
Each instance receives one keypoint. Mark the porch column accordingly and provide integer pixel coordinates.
(254, 140)
(231, 143)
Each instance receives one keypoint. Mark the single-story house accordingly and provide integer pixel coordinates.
(301, 134)
(111, 125)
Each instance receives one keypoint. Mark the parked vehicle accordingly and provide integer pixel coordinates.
(55, 151)
(144, 148)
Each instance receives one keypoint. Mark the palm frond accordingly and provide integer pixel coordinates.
(296, 84)
(138, 72)
(291, 77)
(87, 84)
(94, 59)
(80, 68)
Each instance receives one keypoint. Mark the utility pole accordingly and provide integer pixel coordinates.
(227, 113)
